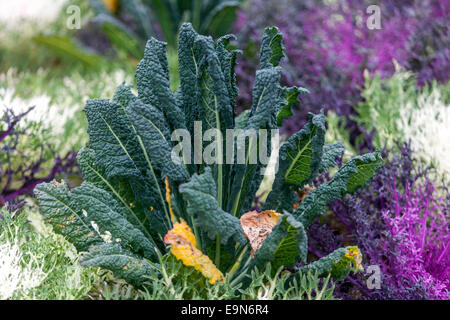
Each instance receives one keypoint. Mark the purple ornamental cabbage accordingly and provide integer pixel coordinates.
(401, 224)
(19, 179)
(329, 47)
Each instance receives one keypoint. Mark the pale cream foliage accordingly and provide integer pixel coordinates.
(18, 272)
(427, 127)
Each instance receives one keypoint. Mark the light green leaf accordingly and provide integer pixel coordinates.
(272, 48)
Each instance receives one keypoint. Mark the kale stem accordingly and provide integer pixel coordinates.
(219, 180)
(243, 273)
(217, 261)
(197, 235)
(236, 265)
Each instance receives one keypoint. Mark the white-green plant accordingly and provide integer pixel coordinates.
(35, 263)
(399, 110)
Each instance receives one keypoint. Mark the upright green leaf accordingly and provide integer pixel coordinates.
(272, 48)
(200, 194)
(188, 65)
(266, 99)
(299, 161)
(214, 96)
(227, 60)
(265, 105)
(153, 132)
(215, 112)
(152, 77)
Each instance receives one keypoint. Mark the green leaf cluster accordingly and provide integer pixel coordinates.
(122, 211)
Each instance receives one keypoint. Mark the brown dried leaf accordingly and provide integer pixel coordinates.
(257, 226)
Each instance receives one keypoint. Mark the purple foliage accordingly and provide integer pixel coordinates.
(419, 241)
(18, 180)
(400, 224)
(329, 47)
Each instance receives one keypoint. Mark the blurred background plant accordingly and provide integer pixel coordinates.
(27, 158)
(36, 263)
(395, 109)
(329, 46)
(127, 25)
(42, 93)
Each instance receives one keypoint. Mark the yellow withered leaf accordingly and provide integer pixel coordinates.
(172, 216)
(257, 226)
(183, 247)
(111, 5)
(354, 255)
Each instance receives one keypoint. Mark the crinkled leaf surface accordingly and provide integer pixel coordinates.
(200, 194)
(154, 134)
(120, 188)
(331, 152)
(123, 263)
(338, 263)
(285, 245)
(289, 96)
(152, 77)
(272, 48)
(100, 207)
(299, 161)
(188, 66)
(227, 60)
(63, 212)
(265, 105)
(354, 174)
(121, 154)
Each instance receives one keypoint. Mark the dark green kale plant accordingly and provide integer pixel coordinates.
(137, 197)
